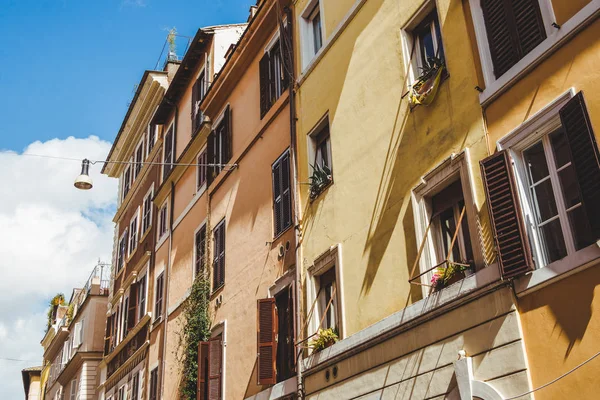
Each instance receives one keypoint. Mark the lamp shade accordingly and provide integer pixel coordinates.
(83, 181)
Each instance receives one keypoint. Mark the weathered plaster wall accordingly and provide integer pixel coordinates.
(561, 328)
(380, 149)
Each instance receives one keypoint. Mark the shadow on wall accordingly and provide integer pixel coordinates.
(570, 303)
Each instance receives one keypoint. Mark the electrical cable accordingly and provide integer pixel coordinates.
(556, 379)
(94, 162)
(16, 359)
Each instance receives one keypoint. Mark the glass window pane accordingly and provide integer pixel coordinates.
(545, 202)
(426, 45)
(560, 148)
(438, 37)
(570, 189)
(535, 162)
(317, 35)
(582, 234)
(448, 227)
(553, 241)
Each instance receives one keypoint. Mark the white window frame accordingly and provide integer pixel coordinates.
(542, 123)
(149, 195)
(311, 138)
(162, 237)
(128, 167)
(204, 90)
(457, 165)
(121, 392)
(331, 258)
(308, 52)
(204, 223)
(221, 329)
(125, 255)
(147, 135)
(155, 295)
(73, 391)
(412, 61)
(554, 39)
(136, 216)
(171, 125)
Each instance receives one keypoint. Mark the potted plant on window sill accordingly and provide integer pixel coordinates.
(452, 273)
(320, 179)
(324, 339)
(425, 88)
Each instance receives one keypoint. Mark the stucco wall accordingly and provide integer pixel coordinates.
(380, 149)
(561, 327)
(418, 362)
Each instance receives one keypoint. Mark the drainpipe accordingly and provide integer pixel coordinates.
(168, 267)
(297, 208)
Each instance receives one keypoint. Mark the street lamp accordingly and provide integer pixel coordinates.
(83, 181)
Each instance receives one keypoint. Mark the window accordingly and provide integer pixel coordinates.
(162, 221)
(323, 149)
(311, 31)
(169, 154)
(282, 203)
(121, 393)
(135, 386)
(447, 210)
(122, 251)
(427, 39)
(550, 199)
(153, 395)
(284, 302)
(219, 145)
(73, 394)
(126, 181)
(158, 303)
(219, 255)
(274, 78)
(78, 334)
(202, 170)
(200, 243)
(151, 138)
(147, 211)
(124, 318)
(513, 29)
(558, 220)
(315, 25)
(327, 300)
(141, 297)
(198, 93)
(133, 233)
(138, 159)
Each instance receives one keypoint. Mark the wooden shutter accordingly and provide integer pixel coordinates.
(215, 361)
(201, 391)
(514, 28)
(514, 254)
(277, 198)
(227, 146)
(286, 205)
(584, 156)
(267, 342)
(195, 92)
(263, 67)
(131, 312)
(211, 158)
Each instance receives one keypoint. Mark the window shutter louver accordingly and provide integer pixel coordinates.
(107, 335)
(286, 193)
(222, 256)
(201, 390)
(195, 91)
(514, 254)
(584, 156)
(131, 313)
(264, 84)
(277, 198)
(267, 343)
(214, 368)
(514, 28)
(227, 146)
(286, 51)
(211, 153)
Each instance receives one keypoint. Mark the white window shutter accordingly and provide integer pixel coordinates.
(73, 389)
(81, 332)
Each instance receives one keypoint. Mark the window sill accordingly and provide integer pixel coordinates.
(143, 237)
(552, 43)
(323, 190)
(161, 241)
(558, 270)
(156, 323)
(130, 256)
(216, 291)
(280, 234)
(277, 391)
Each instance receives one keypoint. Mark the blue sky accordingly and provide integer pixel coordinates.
(68, 68)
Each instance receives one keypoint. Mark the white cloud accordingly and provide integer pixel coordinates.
(51, 236)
